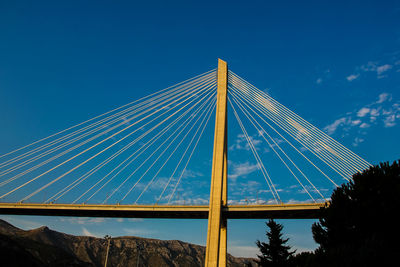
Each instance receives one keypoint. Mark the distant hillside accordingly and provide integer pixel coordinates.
(45, 247)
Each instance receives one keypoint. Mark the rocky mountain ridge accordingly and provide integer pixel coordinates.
(45, 247)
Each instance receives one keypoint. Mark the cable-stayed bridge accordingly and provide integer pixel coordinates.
(179, 153)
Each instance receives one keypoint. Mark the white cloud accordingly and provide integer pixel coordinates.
(331, 128)
(83, 220)
(323, 76)
(363, 111)
(374, 112)
(364, 125)
(138, 231)
(383, 68)
(242, 169)
(357, 141)
(196, 201)
(383, 97)
(370, 66)
(303, 149)
(380, 112)
(86, 232)
(373, 66)
(191, 174)
(355, 122)
(352, 77)
(135, 220)
(390, 121)
(241, 143)
(267, 91)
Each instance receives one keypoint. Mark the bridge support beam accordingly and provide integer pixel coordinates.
(217, 225)
(224, 223)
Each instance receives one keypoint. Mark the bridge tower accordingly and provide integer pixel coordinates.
(217, 224)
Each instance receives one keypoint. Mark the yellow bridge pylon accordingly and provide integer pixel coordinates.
(216, 233)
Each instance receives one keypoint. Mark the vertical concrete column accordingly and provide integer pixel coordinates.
(224, 223)
(216, 233)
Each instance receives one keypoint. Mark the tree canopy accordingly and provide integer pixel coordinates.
(359, 227)
(274, 253)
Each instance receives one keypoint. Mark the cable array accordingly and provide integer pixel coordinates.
(143, 152)
(267, 116)
(113, 156)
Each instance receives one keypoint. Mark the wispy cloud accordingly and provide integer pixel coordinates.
(380, 69)
(323, 76)
(242, 144)
(384, 97)
(363, 112)
(86, 232)
(243, 251)
(83, 220)
(383, 111)
(135, 220)
(121, 220)
(390, 120)
(190, 201)
(138, 231)
(242, 169)
(192, 174)
(352, 77)
(331, 128)
(357, 141)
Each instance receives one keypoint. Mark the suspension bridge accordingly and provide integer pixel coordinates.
(155, 158)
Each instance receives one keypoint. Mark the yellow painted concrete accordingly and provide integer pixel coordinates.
(217, 174)
(224, 224)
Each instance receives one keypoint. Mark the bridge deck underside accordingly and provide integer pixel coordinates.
(282, 211)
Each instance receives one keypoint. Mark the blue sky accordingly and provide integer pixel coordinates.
(335, 63)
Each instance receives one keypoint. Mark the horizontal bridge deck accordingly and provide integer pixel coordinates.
(289, 211)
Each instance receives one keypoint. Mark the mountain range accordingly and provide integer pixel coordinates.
(48, 248)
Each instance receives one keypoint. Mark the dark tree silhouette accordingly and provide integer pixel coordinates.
(274, 253)
(360, 226)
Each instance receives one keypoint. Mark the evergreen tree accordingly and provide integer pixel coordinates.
(275, 253)
(360, 226)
